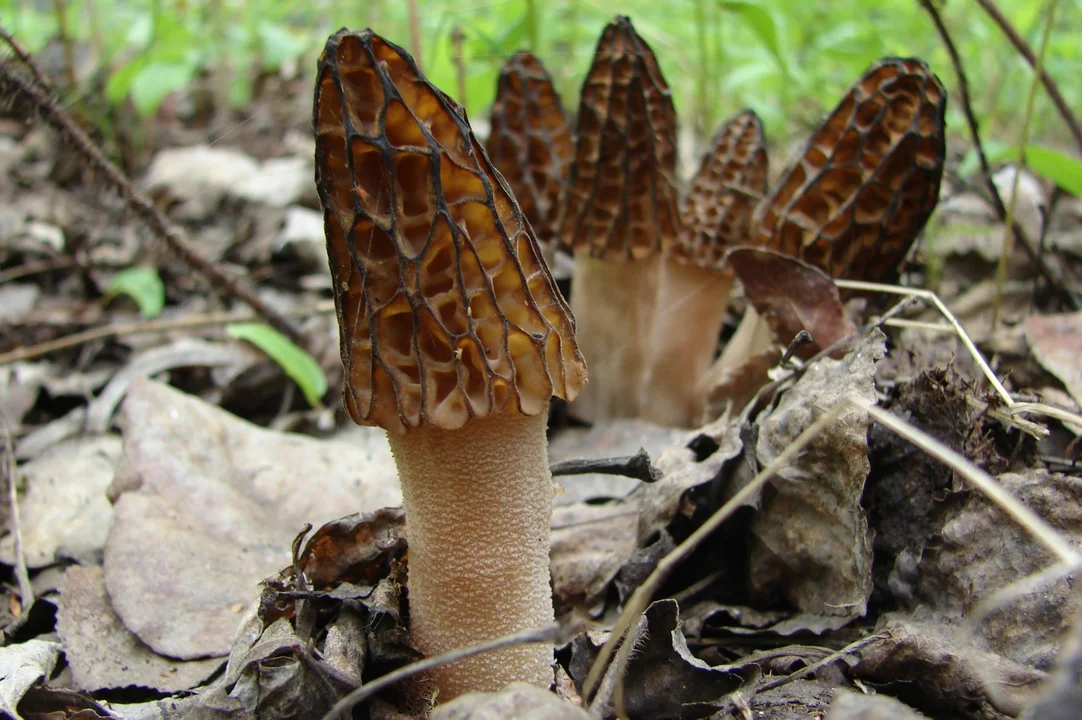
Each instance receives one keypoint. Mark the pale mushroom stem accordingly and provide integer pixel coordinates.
(690, 308)
(613, 305)
(478, 504)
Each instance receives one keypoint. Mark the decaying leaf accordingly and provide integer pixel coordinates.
(811, 544)
(65, 513)
(731, 180)
(207, 508)
(1056, 341)
(621, 197)
(663, 678)
(791, 296)
(22, 666)
(858, 195)
(517, 700)
(102, 653)
(530, 141)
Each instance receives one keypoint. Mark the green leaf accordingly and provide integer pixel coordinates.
(279, 45)
(761, 22)
(142, 285)
(296, 363)
(119, 84)
(156, 81)
(1061, 169)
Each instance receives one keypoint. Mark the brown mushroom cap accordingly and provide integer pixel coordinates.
(868, 178)
(716, 212)
(621, 198)
(446, 310)
(530, 142)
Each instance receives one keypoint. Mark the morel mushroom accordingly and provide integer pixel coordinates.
(454, 338)
(862, 189)
(619, 212)
(530, 140)
(693, 296)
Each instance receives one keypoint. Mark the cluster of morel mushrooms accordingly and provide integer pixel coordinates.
(454, 335)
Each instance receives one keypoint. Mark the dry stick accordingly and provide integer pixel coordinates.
(809, 669)
(1024, 50)
(547, 634)
(24, 57)
(635, 466)
(1027, 118)
(158, 223)
(7, 470)
(986, 172)
(125, 329)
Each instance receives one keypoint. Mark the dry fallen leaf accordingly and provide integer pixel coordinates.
(208, 506)
(811, 543)
(792, 296)
(1056, 341)
(517, 700)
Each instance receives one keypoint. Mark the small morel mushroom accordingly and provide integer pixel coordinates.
(619, 212)
(454, 338)
(861, 191)
(694, 288)
(530, 141)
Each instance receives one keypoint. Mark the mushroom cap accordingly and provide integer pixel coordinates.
(530, 142)
(446, 309)
(621, 199)
(867, 180)
(731, 180)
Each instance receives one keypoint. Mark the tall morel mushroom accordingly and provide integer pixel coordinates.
(454, 338)
(530, 141)
(619, 212)
(860, 192)
(694, 288)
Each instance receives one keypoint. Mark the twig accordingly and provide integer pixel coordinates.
(986, 172)
(365, 691)
(40, 98)
(809, 669)
(116, 330)
(635, 466)
(7, 469)
(33, 268)
(802, 338)
(24, 57)
(1027, 118)
(1024, 50)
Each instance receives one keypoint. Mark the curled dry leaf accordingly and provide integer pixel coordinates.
(716, 211)
(427, 244)
(530, 141)
(621, 197)
(791, 296)
(810, 542)
(868, 178)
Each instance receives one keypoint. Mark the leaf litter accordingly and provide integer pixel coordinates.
(168, 588)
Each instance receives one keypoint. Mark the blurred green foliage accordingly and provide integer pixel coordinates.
(789, 60)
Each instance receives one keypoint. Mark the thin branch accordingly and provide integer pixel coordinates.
(116, 330)
(986, 172)
(547, 634)
(41, 99)
(1024, 50)
(816, 666)
(635, 466)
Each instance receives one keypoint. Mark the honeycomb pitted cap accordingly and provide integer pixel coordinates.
(868, 178)
(731, 181)
(621, 198)
(530, 142)
(446, 309)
